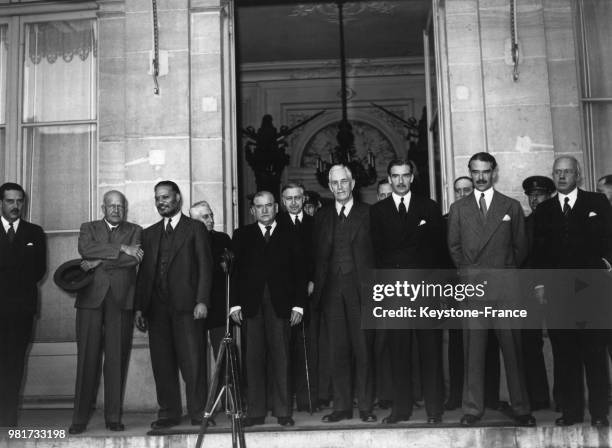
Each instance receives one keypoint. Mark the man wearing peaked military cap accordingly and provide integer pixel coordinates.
(538, 189)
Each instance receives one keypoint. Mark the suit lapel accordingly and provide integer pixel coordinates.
(494, 218)
(353, 223)
(475, 221)
(156, 233)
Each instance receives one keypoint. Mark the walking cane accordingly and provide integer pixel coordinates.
(307, 369)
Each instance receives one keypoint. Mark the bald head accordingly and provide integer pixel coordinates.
(114, 207)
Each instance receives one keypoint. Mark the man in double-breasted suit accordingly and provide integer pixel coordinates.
(172, 298)
(104, 318)
(573, 230)
(23, 263)
(486, 230)
(407, 233)
(343, 256)
(268, 292)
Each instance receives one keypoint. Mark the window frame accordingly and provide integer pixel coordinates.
(17, 162)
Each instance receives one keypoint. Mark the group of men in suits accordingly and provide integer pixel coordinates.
(295, 293)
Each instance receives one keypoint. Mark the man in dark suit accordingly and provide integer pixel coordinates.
(23, 263)
(268, 295)
(219, 242)
(573, 230)
(538, 189)
(304, 337)
(172, 298)
(486, 230)
(604, 185)
(343, 256)
(407, 233)
(104, 319)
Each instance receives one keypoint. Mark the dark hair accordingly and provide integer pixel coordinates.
(383, 181)
(168, 183)
(401, 162)
(292, 185)
(483, 157)
(463, 178)
(10, 186)
(607, 179)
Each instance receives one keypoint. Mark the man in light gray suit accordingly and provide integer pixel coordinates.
(104, 319)
(486, 230)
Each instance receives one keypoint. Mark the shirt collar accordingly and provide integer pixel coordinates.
(572, 195)
(110, 226)
(6, 224)
(488, 195)
(299, 216)
(347, 207)
(263, 228)
(175, 220)
(398, 199)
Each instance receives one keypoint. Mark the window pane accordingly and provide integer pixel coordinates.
(602, 138)
(59, 77)
(598, 35)
(3, 60)
(59, 159)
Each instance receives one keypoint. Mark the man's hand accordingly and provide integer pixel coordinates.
(88, 265)
(310, 288)
(237, 316)
(296, 318)
(140, 321)
(133, 251)
(200, 311)
(540, 295)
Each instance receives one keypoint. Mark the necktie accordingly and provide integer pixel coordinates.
(342, 215)
(483, 205)
(267, 234)
(111, 230)
(566, 207)
(169, 228)
(297, 222)
(402, 208)
(11, 233)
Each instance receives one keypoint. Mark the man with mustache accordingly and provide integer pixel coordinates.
(23, 263)
(172, 299)
(343, 256)
(486, 230)
(104, 320)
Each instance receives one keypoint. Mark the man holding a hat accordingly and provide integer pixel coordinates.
(538, 189)
(23, 263)
(104, 320)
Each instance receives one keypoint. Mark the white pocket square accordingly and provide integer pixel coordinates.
(30, 244)
(506, 218)
(423, 222)
(591, 214)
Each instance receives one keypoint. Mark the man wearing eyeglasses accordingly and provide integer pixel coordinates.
(343, 256)
(104, 318)
(573, 230)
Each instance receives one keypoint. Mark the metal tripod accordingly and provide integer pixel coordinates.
(227, 360)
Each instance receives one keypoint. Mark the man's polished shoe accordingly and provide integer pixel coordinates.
(252, 421)
(285, 421)
(601, 422)
(336, 416)
(162, 423)
(527, 420)
(567, 421)
(395, 418)
(76, 428)
(115, 426)
(434, 420)
(367, 416)
(469, 420)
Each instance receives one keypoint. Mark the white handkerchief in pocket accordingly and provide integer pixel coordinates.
(506, 218)
(591, 214)
(30, 244)
(423, 222)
